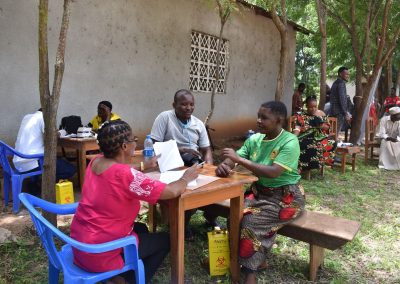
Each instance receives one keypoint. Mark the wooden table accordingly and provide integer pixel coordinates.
(344, 151)
(81, 145)
(219, 190)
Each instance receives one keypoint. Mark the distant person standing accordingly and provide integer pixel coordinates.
(297, 101)
(339, 100)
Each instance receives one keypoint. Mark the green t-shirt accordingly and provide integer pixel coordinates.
(283, 150)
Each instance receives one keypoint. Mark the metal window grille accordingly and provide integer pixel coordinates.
(203, 63)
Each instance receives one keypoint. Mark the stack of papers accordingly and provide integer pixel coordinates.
(170, 157)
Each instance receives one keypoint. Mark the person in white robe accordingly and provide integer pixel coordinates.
(389, 132)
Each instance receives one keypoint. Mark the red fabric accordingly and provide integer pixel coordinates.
(287, 213)
(372, 113)
(297, 103)
(107, 211)
(391, 101)
(250, 196)
(246, 248)
(287, 199)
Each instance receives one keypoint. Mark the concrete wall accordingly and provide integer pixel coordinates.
(136, 54)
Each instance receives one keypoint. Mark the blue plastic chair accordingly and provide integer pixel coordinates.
(62, 260)
(13, 176)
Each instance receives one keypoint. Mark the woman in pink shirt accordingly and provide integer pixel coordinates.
(111, 195)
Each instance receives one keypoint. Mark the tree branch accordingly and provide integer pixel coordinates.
(391, 48)
(337, 17)
(382, 40)
(367, 29)
(59, 65)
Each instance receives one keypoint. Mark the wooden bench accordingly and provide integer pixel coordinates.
(317, 229)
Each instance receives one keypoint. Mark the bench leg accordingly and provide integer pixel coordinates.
(316, 260)
(343, 162)
(353, 162)
(307, 175)
(152, 218)
(366, 154)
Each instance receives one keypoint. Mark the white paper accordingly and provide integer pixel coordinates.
(170, 157)
(171, 176)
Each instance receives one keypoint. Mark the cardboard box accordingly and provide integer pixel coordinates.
(218, 252)
(64, 192)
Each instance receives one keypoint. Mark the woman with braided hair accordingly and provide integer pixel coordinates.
(111, 196)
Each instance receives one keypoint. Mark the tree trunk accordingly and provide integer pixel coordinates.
(280, 84)
(224, 11)
(281, 24)
(389, 75)
(359, 106)
(49, 101)
(321, 11)
(215, 84)
(398, 81)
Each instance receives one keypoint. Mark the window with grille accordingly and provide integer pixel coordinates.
(203, 62)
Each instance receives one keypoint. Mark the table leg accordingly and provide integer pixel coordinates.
(152, 217)
(343, 162)
(353, 162)
(236, 214)
(177, 233)
(82, 166)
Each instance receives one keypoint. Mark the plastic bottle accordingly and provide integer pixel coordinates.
(148, 151)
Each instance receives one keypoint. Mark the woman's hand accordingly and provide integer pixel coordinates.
(230, 154)
(152, 163)
(176, 188)
(191, 173)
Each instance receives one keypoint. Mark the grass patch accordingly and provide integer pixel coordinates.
(369, 196)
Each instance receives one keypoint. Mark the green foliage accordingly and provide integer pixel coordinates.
(340, 51)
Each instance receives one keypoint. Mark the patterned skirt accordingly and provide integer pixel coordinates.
(266, 210)
(314, 153)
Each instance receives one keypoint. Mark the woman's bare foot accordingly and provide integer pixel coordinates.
(250, 278)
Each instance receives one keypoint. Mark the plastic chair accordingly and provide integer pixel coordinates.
(62, 260)
(14, 176)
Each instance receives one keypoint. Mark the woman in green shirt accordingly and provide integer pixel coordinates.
(275, 199)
